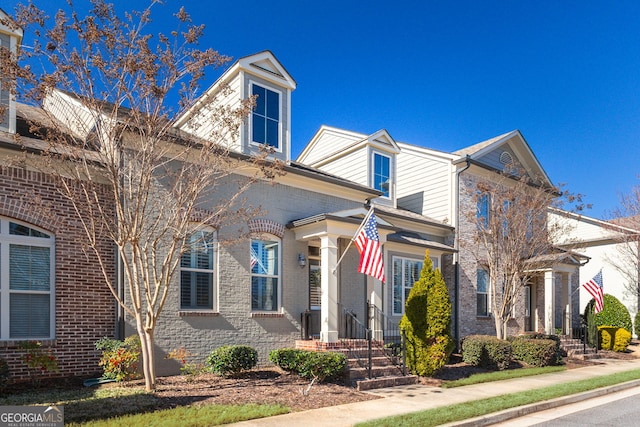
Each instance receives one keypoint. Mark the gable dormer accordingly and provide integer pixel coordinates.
(509, 151)
(10, 38)
(365, 159)
(269, 124)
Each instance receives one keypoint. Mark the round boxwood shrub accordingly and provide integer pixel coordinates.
(232, 359)
(612, 338)
(322, 366)
(486, 351)
(534, 351)
(613, 314)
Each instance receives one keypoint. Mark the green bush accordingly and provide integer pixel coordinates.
(322, 366)
(427, 322)
(612, 338)
(636, 324)
(4, 373)
(232, 359)
(613, 314)
(541, 336)
(119, 359)
(486, 351)
(535, 352)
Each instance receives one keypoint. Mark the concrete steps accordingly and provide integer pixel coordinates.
(575, 349)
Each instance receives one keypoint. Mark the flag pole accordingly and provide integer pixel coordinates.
(364, 221)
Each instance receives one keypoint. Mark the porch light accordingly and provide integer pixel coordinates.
(302, 260)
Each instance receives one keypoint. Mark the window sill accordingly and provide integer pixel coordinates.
(267, 315)
(16, 343)
(198, 313)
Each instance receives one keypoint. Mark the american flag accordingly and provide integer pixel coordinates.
(594, 287)
(368, 244)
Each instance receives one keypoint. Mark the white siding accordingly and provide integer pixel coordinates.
(424, 184)
(329, 143)
(353, 166)
(204, 123)
(77, 118)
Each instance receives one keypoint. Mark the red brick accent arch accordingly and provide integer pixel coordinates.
(22, 211)
(266, 226)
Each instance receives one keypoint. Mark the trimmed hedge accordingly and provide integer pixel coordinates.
(486, 351)
(232, 359)
(535, 352)
(613, 338)
(322, 366)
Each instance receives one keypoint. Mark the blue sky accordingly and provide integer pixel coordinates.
(448, 74)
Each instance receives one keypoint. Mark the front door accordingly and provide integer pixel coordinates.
(528, 325)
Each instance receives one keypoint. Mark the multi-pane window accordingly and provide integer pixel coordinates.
(482, 292)
(265, 119)
(27, 297)
(265, 275)
(482, 210)
(382, 173)
(405, 273)
(197, 272)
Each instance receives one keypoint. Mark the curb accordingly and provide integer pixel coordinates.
(531, 408)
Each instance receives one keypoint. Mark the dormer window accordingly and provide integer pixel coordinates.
(382, 173)
(265, 119)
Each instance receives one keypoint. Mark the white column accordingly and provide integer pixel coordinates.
(568, 329)
(549, 303)
(329, 313)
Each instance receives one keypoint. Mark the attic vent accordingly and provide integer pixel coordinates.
(505, 158)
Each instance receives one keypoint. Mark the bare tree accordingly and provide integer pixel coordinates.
(513, 239)
(626, 232)
(111, 92)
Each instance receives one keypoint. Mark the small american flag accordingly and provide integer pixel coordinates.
(368, 244)
(594, 287)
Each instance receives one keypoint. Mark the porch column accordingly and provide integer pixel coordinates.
(329, 313)
(549, 303)
(568, 319)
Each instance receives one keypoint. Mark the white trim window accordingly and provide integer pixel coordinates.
(197, 272)
(381, 173)
(266, 118)
(265, 274)
(482, 292)
(483, 210)
(406, 272)
(27, 271)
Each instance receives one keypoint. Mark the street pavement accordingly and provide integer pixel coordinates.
(413, 398)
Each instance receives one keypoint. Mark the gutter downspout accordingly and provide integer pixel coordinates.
(456, 255)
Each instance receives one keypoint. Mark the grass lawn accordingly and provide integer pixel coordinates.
(463, 411)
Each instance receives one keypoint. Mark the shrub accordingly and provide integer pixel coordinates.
(486, 351)
(4, 373)
(119, 359)
(427, 322)
(535, 352)
(636, 324)
(188, 368)
(322, 366)
(232, 359)
(541, 336)
(612, 338)
(613, 314)
(38, 359)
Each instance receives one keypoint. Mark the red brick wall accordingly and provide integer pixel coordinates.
(84, 306)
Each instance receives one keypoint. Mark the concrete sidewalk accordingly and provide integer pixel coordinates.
(406, 399)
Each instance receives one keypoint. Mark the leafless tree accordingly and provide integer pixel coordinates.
(511, 236)
(626, 232)
(109, 93)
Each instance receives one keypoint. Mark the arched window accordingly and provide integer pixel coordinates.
(27, 295)
(265, 273)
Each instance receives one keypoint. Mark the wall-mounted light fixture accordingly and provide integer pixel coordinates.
(302, 260)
